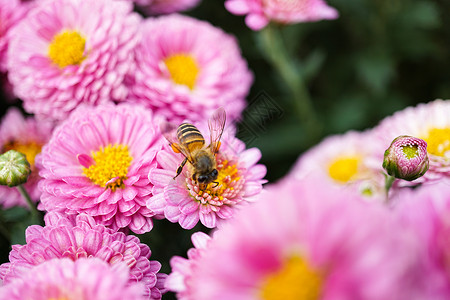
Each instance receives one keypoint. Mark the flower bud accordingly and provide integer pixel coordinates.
(406, 158)
(14, 168)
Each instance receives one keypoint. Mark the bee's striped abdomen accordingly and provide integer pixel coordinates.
(190, 136)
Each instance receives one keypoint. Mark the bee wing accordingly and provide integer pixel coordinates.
(169, 131)
(216, 125)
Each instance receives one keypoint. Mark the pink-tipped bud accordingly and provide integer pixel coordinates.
(406, 158)
(14, 168)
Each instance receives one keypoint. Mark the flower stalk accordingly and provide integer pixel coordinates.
(274, 49)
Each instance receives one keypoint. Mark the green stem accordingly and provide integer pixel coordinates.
(34, 212)
(388, 184)
(278, 56)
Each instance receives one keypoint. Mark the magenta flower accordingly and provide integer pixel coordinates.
(183, 269)
(426, 211)
(406, 158)
(81, 237)
(26, 135)
(427, 121)
(83, 279)
(240, 180)
(169, 6)
(68, 52)
(348, 161)
(179, 78)
(289, 245)
(11, 12)
(261, 12)
(97, 163)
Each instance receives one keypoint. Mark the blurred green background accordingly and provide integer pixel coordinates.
(378, 57)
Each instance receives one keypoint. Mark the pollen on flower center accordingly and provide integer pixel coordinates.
(228, 184)
(110, 167)
(410, 151)
(183, 69)
(30, 149)
(438, 141)
(295, 280)
(343, 169)
(67, 48)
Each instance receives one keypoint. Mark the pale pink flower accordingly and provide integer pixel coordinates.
(240, 180)
(301, 241)
(97, 162)
(261, 12)
(183, 268)
(427, 121)
(26, 135)
(169, 6)
(82, 237)
(347, 161)
(11, 12)
(83, 279)
(426, 210)
(187, 68)
(68, 52)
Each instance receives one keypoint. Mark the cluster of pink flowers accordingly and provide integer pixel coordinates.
(314, 235)
(81, 237)
(354, 160)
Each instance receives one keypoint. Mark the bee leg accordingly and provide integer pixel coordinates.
(180, 168)
(216, 183)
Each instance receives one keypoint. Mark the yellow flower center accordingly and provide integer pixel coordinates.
(410, 151)
(67, 48)
(344, 169)
(110, 168)
(438, 141)
(296, 280)
(225, 182)
(183, 69)
(30, 149)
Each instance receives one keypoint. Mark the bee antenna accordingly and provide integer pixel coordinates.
(216, 182)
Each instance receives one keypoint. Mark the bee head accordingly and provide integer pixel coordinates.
(206, 178)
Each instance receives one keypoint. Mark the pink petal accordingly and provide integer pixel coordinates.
(209, 220)
(237, 7)
(189, 221)
(189, 206)
(172, 213)
(85, 160)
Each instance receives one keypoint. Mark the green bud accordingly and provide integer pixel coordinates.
(14, 168)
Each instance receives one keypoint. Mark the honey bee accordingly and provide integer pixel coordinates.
(187, 140)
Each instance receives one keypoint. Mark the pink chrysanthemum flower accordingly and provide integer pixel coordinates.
(182, 268)
(157, 7)
(83, 279)
(261, 12)
(429, 122)
(289, 245)
(25, 135)
(240, 179)
(68, 52)
(187, 68)
(427, 211)
(346, 161)
(97, 162)
(78, 238)
(11, 12)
